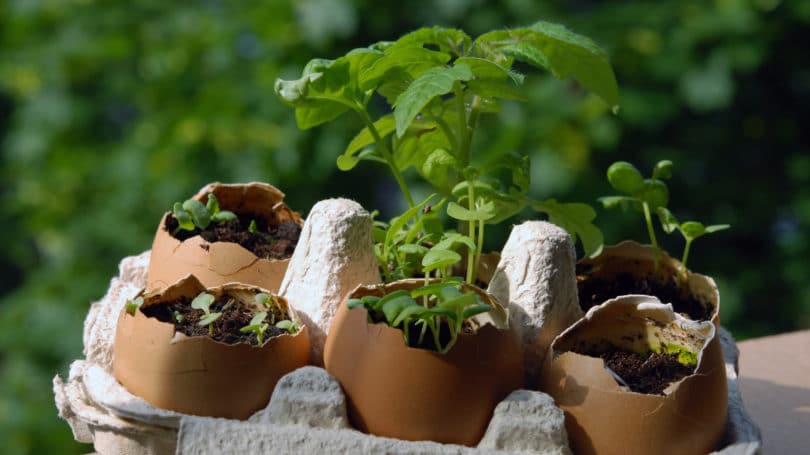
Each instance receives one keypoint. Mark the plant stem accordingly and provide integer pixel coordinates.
(480, 246)
(651, 231)
(684, 258)
(386, 153)
(471, 252)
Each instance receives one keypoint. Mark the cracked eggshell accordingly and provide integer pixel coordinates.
(197, 375)
(413, 394)
(218, 263)
(603, 417)
(639, 261)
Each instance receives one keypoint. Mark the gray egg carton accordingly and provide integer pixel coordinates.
(307, 412)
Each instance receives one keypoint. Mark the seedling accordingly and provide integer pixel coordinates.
(644, 195)
(445, 305)
(257, 326)
(252, 228)
(289, 325)
(133, 305)
(690, 230)
(192, 214)
(203, 302)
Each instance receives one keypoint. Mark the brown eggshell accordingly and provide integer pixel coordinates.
(602, 417)
(197, 375)
(218, 263)
(414, 394)
(639, 261)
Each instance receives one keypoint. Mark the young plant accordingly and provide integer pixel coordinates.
(192, 214)
(289, 325)
(203, 302)
(257, 326)
(443, 305)
(644, 195)
(438, 82)
(690, 230)
(133, 305)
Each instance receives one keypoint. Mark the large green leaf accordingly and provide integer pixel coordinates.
(446, 39)
(412, 60)
(434, 82)
(562, 52)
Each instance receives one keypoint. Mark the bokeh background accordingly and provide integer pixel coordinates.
(110, 111)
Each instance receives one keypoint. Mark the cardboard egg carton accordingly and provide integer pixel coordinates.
(307, 412)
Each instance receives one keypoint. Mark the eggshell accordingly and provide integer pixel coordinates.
(197, 375)
(218, 263)
(604, 417)
(397, 391)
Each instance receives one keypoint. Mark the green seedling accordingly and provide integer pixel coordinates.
(133, 305)
(644, 195)
(443, 304)
(252, 228)
(264, 299)
(690, 230)
(290, 326)
(192, 214)
(438, 82)
(177, 316)
(257, 326)
(203, 302)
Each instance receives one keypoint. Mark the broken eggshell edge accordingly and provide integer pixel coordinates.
(413, 394)
(198, 375)
(218, 263)
(603, 417)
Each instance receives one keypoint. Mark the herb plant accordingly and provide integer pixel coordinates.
(192, 214)
(652, 196)
(203, 302)
(289, 325)
(442, 304)
(690, 230)
(257, 326)
(438, 82)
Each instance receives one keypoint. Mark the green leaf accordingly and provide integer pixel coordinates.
(662, 170)
(413, 60)
(668, 221)
(483, 213)
(450, 239)
(624, 202)
(441, 312)
(354, 303)
(198, 213)
(399, 222)
(203, 302)
(290, 326)
(262, 299)
(440, 168)
(347, 161)
(406, 313)
(432, 83)
(223, 215)
(213, 205)
(183, 218)
(133, 305)
(577, 219)
(392, 304)
(435, 288)
(252, 227)
(412, 248)
(717, 227)
(692, 229)
(561, 51)
(624, 177)
(487, 69)
(209, 319)
(446, 39)
(435, 259)
(449, 293)
(654, 193)
(258, 318)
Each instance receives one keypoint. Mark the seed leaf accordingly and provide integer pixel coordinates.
(213, 205)
(435, 259)
(209, 319)
(483, 213)
(393, 306)
(662, 170)
(716, 227)
(624, 177)
(202, 302)
(183, 218)
(133, 305)
(258, 318)
(198, 213)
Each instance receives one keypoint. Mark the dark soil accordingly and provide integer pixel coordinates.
(225, 328)
(414, 331)
(270, 241)
(649, 374)
(593, 291)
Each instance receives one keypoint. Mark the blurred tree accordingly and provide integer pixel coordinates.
(109, 111)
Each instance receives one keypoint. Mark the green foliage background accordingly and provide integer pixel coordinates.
(110, 111)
